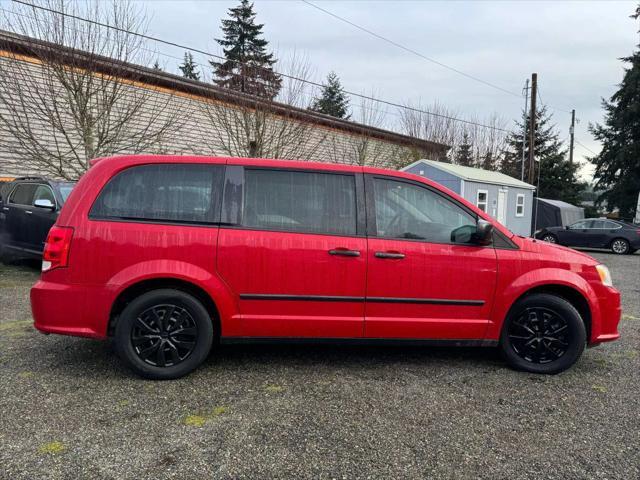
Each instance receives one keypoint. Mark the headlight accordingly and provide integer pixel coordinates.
(605, 275)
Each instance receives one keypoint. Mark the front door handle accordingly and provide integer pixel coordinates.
(5, 209)
(390, 255)
(344, 252)
(28, 212)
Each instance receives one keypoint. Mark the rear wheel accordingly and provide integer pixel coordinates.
(164, 334)
(550, 238)
(543, 334)
(620, 246)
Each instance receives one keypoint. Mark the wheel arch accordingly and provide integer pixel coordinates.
(570, 294)
(138, 288)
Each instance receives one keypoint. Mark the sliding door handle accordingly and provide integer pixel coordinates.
(343, 252)
(390, 255)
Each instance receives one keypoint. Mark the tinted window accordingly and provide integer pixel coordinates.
(404, 210)
(65, 190)
(611, 225)
(300, 201)
(174, 193)
(581, 225)
(23, 194)
(599, 224)
(44, 192)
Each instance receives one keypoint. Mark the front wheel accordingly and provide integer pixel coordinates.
(164, 334)
(549, 238)
(620, 246)
(543, 333)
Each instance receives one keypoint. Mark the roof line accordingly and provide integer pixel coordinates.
(435, 164)
(29, 46)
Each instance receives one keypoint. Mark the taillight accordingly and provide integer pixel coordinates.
(56, 248)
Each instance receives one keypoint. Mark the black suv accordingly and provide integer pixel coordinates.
(29, 206)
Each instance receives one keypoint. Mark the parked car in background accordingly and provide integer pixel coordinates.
(170, 255)
(29, 207)
(620, 237)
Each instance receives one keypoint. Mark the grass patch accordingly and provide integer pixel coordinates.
(629, 317)
(199, 420)
(52, 448)
(274, 388)
(599, 388)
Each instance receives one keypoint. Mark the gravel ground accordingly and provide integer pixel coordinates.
(69, 409)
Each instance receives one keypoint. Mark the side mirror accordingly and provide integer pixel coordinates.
(44, 203)
(484, 233)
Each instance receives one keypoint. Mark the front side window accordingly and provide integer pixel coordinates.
(173, 193)
(23, 194)
(300, 201)
(482, 200)
(44, 192)
(404, 210)
(520, 205)
(581, 225)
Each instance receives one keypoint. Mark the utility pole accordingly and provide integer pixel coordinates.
(532, 127)
(571, 132)
(524, 135)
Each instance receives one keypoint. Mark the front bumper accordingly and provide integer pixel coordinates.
(68, 309)
(606, 328)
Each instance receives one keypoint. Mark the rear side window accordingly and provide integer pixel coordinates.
(23, 194)
(300, 201)
(157, 193)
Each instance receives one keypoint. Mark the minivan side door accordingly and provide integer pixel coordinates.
(293, 250)
(425, 279)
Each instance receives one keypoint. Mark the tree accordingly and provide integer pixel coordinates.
(333, 100)
(247, 67)
(189, 68)
(618, 164)
(156, 66)
(557, 178)
(261, 127)
(72, 108)
(464, 153)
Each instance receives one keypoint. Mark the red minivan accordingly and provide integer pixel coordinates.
(170, 255)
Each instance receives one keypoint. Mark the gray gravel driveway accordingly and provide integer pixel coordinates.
(69, 409)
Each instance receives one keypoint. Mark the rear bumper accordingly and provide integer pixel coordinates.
(70, 309)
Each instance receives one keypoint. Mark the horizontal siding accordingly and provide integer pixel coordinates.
(197, 128)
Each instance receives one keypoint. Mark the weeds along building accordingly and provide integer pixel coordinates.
(61, 106)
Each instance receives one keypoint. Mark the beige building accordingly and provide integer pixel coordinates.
(42, 133)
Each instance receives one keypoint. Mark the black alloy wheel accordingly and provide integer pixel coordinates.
(539, 335)
(543, 333)
(164, 334)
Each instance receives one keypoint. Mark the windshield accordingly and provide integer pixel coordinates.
(65, 190)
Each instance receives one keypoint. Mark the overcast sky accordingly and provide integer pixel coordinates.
(573, 46)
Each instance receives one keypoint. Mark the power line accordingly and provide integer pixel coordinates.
(292, 77)
(585, 147)
(410, 50)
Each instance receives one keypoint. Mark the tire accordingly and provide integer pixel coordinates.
(543, 333)
(159, 349)
(548, 237)
(620, 246)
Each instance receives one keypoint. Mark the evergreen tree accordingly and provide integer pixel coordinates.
(156, 66)
(488, 162)
(248, 67)
(618, 164)
(333, 100)
(189, 68)
(558, 179)
(464, 154)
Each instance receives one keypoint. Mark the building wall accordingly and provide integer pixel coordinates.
(518, 225)
(443, 178)
(198, 127)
